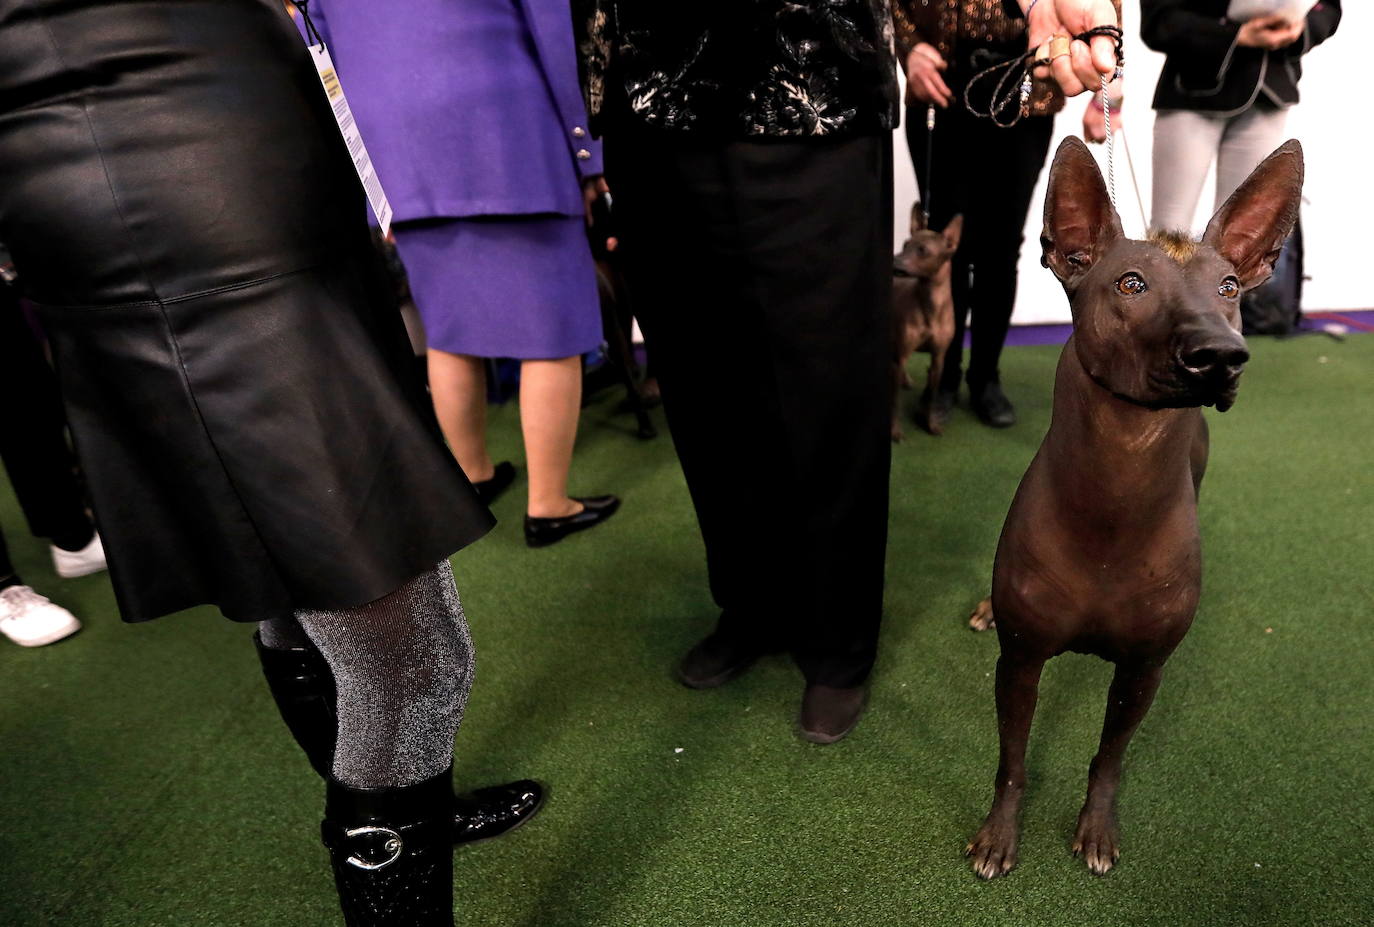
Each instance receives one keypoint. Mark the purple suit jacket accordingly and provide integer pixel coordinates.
(406, 67)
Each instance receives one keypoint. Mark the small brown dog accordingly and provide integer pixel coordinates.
(923, 308)
(1100, 552)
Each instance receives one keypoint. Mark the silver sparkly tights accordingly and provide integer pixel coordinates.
(402, 668)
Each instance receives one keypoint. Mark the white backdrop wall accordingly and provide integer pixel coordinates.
(1338, 215)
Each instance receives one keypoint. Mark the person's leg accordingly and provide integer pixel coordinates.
(8, 575)
(33, 443)
(303, 687)
(550, 402)
(1247, 140)
(819, 219)
(402, 667)
(1184, 145)
(683, 258)
(458, 385)
(999, 217)
(765, 273)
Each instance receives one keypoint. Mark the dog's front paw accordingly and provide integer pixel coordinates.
(992, 852)
(982, 619)
(1097, 840)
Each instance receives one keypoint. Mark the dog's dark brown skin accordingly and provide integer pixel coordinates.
(923, 307)
(1100, 552)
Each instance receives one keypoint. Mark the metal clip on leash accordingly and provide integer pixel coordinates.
(930, 162)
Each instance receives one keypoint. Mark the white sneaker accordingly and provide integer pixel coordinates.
(30, 620)
(73, 563)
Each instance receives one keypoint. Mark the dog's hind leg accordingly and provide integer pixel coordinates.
(993, 848)
(1097, 838)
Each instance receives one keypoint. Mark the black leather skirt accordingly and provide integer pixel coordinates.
(180, 206)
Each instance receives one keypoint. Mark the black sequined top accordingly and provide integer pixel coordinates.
(740, 68)
(970, 35)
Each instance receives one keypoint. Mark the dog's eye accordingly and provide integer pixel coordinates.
(1230, 288)
(1132, 284)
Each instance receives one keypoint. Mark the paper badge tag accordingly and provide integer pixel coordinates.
(343, 115)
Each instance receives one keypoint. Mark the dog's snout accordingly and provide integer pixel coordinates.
(1208, 359)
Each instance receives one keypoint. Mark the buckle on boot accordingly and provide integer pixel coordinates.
(393, 845)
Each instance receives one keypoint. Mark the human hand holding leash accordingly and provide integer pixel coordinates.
(596, 195)
(1075, 65)
(923, 78)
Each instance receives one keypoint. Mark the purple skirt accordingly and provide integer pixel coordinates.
(504, 286)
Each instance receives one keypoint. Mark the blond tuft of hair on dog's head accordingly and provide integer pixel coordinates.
(1178, 245)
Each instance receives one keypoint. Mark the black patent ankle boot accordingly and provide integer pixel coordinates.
(303, 688)
(392, 852)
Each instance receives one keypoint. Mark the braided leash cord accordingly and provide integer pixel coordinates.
(1111, 148)
(1113, 33)
(1022, 67)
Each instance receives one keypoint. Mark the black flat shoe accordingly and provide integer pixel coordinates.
(714, 661)
(541, 532)
(991, 405)
(489, 490)
(483, 814)
(829, 713)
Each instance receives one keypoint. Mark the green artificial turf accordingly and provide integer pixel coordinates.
(146, 780)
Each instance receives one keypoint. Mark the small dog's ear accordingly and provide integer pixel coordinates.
(1251, 226)
(1080, 221)
(918, 218)
(953, 232)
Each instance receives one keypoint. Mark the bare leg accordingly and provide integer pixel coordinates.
(550, 400)
(1097, 838)
(458, 384)
(993, 848)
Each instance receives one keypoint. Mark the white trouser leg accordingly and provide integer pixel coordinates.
(1249, 139)
(1184, 145)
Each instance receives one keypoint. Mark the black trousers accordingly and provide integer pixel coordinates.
(988, 174)
(761, 272)
(33, 441)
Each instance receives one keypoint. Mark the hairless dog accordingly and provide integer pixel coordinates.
(1100, 551)
(923, 311)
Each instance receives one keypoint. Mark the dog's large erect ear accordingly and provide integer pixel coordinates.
(1251, 226)
(1080, 221)
(918, 218)
(953, 232)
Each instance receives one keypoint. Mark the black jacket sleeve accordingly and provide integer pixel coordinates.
(1322, 21)
(1176, 28)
